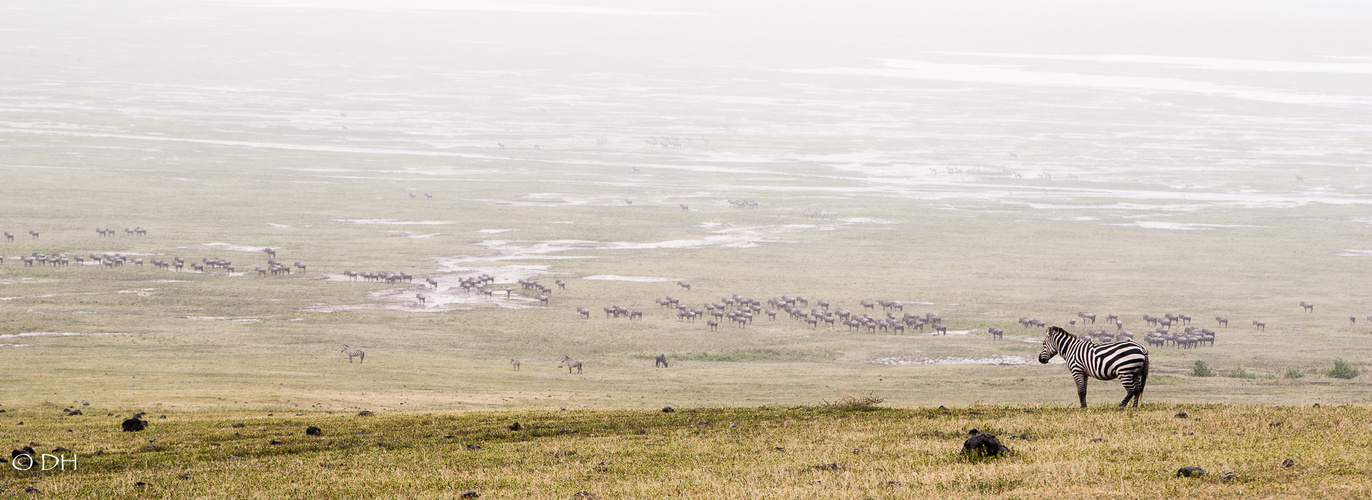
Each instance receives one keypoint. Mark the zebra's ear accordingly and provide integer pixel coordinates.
(1057, 330)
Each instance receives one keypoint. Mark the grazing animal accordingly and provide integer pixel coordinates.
(660, 360)
(358, 353)
(34, 234)
(514, 363)
(1308, 307)
(685, 208)
(572, 363)
(584, 312)
(1124, 360)
(1222, 321)
(996, 333)
(1261, 325)
(9, 237)
(419, 296)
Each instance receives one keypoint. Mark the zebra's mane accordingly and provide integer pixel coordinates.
(1059, 332)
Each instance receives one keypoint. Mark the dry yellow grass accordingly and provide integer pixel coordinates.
(1059, 452)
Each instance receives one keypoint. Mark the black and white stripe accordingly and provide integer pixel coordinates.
(1124, 360)
(355, 353)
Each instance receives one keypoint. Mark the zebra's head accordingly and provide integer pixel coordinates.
(345, 348)
(1050, 344)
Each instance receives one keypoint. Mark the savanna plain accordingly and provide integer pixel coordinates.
(982, 202)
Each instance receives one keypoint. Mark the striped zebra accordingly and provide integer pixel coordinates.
(1124, 360)
(572, 363)
(355, 353)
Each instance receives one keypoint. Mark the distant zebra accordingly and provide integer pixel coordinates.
(1124, 360)
(660, 360)
(572, 363)
(514, 363)
(355, 353)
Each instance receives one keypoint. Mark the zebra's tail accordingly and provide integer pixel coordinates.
(1143, 381)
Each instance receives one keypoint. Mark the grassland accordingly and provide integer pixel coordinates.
(980, 201)
(792, 452)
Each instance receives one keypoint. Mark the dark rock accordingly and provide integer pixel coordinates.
(449, 436)
(134, 424)
(1097, 440)
(585, 495)
(643, 431)
(515, 426)
(60, 449)
(668, 409)
(469, 494)
(1182, 415)
(73, 413)
(984, 445)
(161, 417)
(140, 484)
(30, 489)
(184, 476)
(85, 404)
(1288, 463)
(313, 431)
(1190, 472)
(1228, 476)
(239, 425)
(363, 413)
(276, 441)
(780, 448)
(828, 466)
(473, 447)
(891, 483)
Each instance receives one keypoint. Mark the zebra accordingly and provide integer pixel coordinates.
(1125, 360)
(572, 363)
(355, 353)
(514, 363)
(660, 360)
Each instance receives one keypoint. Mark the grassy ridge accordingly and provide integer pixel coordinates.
(704, 453)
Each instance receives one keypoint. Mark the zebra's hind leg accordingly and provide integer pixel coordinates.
(1081, 386)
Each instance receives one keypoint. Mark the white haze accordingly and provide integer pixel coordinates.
(879, 91)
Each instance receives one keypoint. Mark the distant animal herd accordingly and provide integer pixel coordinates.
(1099, 354)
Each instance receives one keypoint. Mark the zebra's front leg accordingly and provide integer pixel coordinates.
(1081, 386)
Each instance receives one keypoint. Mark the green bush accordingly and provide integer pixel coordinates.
(1293, 373)
(1342, 370)
(1240, 373)
(1200, 369)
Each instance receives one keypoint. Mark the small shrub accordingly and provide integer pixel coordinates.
(1200, 369)
(1293, 373)
(1240, 373)
(1342, 370)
